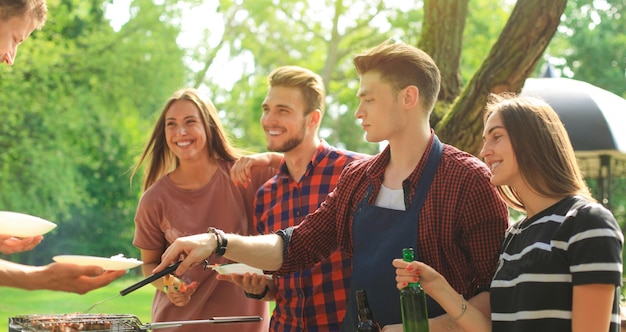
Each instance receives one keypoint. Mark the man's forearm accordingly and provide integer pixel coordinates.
(18, 275)
(262, 251)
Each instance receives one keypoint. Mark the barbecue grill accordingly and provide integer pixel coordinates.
(105, 322)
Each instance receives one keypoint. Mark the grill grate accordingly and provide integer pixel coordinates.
(74, 322)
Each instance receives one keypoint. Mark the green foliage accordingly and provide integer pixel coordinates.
(83, 97)
(591, 44)
(241, 111)
(485, 21)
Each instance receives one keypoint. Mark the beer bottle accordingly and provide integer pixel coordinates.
(413, 302)
(366, 320)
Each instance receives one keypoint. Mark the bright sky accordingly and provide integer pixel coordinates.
(198, 18)
(195, 20)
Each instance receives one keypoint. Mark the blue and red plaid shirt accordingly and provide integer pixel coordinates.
(462, 222)
(313, 299)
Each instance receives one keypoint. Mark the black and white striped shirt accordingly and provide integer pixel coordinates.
(574, 242)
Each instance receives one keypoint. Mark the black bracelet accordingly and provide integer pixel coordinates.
(258, 296)
(222, 242)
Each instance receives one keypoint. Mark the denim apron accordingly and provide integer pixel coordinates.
(379, 234)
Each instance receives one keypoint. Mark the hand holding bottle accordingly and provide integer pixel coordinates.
(413, 301)
(410, 272)
(438, 288)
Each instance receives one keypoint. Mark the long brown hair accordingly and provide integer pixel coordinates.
(161, 160)
(543, 150)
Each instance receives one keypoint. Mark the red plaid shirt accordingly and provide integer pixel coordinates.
(462, 222)
(313, 299)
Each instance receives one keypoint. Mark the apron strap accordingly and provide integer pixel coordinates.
(425, 180)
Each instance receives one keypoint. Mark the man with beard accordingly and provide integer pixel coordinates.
(313, 299)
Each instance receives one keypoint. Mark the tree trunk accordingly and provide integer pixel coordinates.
(442, 39)
(511, 60)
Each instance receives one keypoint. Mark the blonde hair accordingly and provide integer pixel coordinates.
(162, 160)
(36, 8)
(542, 147)
(310, 84)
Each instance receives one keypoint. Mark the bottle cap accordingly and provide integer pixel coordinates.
(407, 255)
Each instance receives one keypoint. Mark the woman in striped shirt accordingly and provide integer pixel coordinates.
(560, 268)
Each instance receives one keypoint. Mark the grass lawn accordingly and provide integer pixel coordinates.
(15, 302)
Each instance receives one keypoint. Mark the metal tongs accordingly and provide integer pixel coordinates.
(171, 268)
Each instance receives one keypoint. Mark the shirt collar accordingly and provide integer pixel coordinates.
(323, 149)
(380, 162)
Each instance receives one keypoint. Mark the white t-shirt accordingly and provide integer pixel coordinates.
(391, 198)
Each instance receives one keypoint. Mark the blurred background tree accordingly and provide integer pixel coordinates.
(85, 92)
(78, 102)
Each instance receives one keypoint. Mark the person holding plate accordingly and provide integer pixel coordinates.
(24, 232)
(10, 244)
(18, 19)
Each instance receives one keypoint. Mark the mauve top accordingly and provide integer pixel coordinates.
(166, 212)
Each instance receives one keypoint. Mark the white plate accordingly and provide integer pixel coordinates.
(118, 262)
(239, 268)
(23, 225)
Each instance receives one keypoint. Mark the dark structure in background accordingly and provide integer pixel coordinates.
(595, 120)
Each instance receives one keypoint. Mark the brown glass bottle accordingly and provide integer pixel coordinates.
(366, 319)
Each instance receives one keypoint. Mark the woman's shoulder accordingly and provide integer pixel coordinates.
(163, 187)
(586, 208)
(585, 215)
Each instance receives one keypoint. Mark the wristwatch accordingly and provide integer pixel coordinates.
(258, 296)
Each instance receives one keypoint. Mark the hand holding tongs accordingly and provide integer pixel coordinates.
(138, 285)
(150, 279)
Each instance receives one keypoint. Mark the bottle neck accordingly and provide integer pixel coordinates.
(414, 285)
(365, 315)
